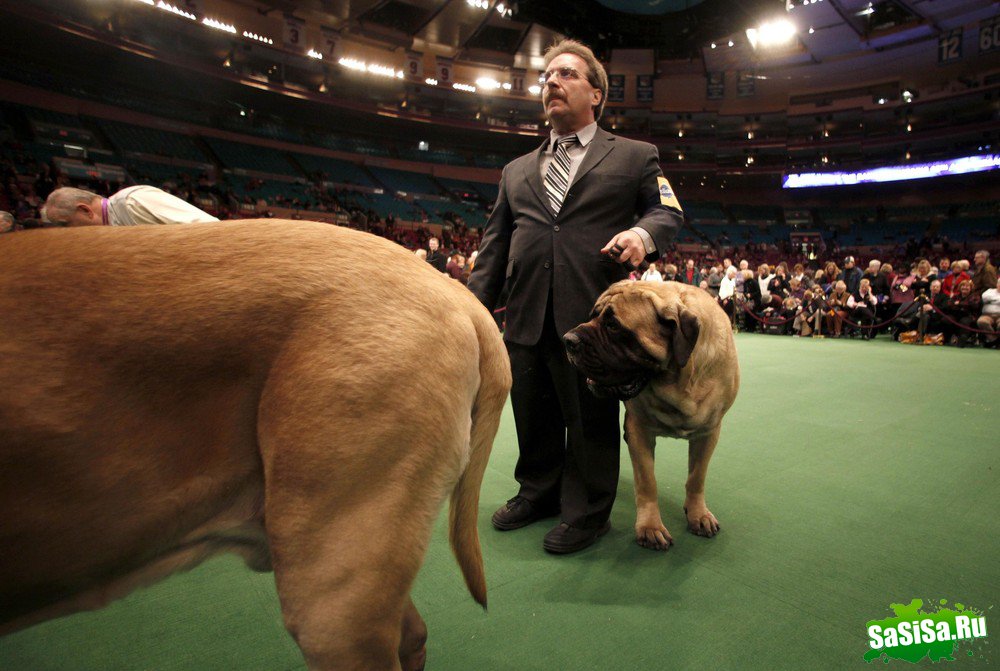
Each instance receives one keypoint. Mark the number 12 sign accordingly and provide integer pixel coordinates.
(950, 46)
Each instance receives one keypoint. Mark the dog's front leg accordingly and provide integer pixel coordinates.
(701, 521)
(649, 529)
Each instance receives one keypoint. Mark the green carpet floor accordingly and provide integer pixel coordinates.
(850, 475)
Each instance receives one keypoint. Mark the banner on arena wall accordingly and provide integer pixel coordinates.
(746, 83)
(519, 82)
(644, 88)
(331, 44)
(716, 85)
(294, 33)
(444, 70)
(616, 88)
(414, 65)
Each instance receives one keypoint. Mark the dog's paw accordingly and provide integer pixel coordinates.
(702, 522)
(653, 537)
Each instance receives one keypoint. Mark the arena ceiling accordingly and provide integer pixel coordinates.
(515, 33)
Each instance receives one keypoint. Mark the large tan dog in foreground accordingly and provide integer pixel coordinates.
(667, 350)
(172, 392)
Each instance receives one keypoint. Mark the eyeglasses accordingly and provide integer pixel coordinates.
(565, 73)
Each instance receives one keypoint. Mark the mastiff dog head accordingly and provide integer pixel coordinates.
(637, 330)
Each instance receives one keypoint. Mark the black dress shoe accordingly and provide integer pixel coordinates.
(565, 539)
(519, 512)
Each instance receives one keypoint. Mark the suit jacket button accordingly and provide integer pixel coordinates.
(547, 264)
(555, 228)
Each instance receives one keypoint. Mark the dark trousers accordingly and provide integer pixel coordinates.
(568, 439)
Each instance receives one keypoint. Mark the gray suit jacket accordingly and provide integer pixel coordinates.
(538, 253)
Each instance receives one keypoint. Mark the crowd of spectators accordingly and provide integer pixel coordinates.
(953, 302)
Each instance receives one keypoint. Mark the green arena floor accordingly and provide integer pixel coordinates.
(850, 475)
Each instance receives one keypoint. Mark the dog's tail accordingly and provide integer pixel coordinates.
(494, 385)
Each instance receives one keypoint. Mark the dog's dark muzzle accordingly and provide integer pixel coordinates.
(603, 381)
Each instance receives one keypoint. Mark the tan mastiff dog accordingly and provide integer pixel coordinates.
(667, 350)
(258, 387)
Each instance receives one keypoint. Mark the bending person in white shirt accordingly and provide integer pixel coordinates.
(134, 206)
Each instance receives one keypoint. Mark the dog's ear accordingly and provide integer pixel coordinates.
(681, 331)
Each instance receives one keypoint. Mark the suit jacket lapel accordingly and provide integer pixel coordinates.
(600, 146)
(533, 175)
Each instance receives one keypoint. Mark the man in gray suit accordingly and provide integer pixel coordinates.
(572, 218)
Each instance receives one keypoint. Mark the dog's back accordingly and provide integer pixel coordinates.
(168, 389)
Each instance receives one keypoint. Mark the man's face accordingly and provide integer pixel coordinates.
(944, 264)
(690, 263)
(980, 259)
(432, 244)
(567, 96)
(935, 287)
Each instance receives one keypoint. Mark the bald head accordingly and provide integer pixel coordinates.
(69, 206)
(6, 222)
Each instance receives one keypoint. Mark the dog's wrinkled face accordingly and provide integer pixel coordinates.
(633, 334)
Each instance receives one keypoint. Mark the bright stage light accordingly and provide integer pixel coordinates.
(771, 33)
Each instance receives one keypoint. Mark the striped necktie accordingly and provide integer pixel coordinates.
(557, 176)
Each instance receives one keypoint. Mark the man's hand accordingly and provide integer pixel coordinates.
(626, 247)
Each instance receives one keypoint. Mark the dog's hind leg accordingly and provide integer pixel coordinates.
(701, 521)
(650, 531)
(355, 473)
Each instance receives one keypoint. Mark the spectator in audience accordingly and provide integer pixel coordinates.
(738, 281)
(811, 312)
(922, 278)
(889, 274)
(789, 308)
(862, 305)
(799, 273)
(7, 222)
(778, 287)
(134, 206)
(456, 266)
(435, 257)
(956, 275)
(851, 275)
(652, 273)
(879, 283)
(928, 320)
(964, 307)
(714, 281)
(753, 298)
(819, 282)
(669, 273)
(837, 309)
(944, 270)
(727, 292)
(985, 275)
(764, 277)
(796, 290)
(830, 274)
(990, 319)
(690, 275)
